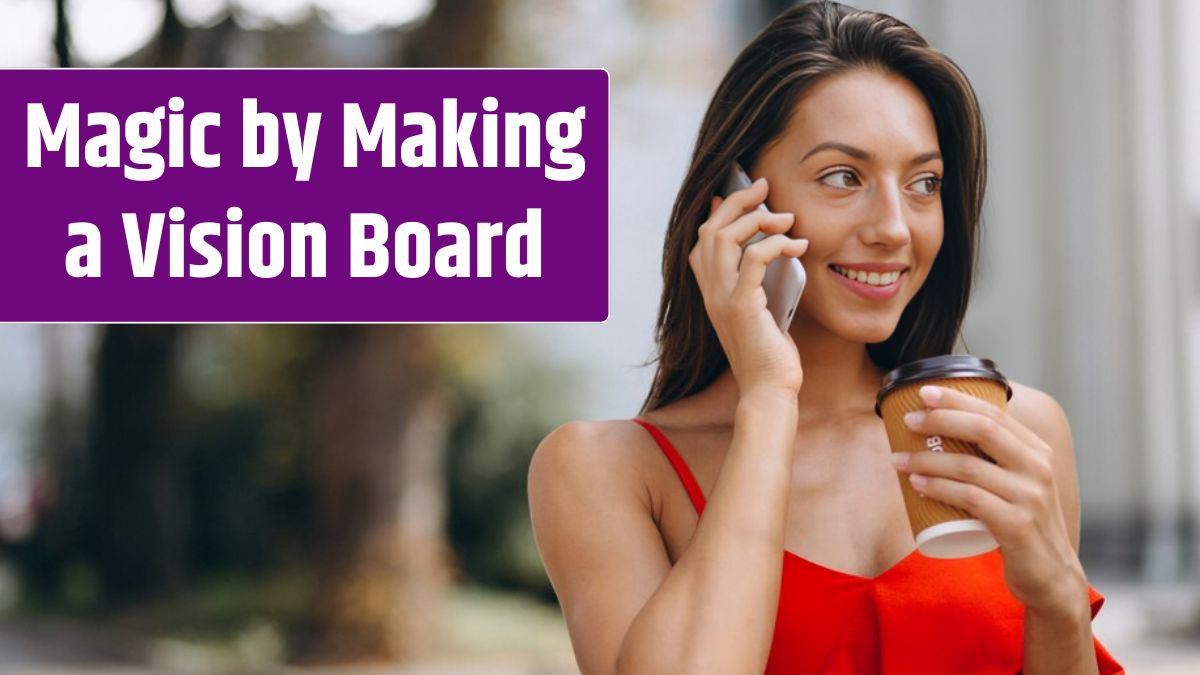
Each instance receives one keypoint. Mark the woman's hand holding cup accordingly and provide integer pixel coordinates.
(761, 356)
(1016, 495)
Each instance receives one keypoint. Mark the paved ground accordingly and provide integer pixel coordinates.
(59, 648)
(1145, 628)
(1155, 631)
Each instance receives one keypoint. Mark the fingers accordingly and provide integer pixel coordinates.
(717, 255)
(1016, 498)
(739, 202)
(944, 397)
(742, 230)
(739, 218)
(1004, 519)
(727, 236)
(991, 437)
(1005, 495)
(962, 468)
(967, 418)
(730, 244)
(757, 256)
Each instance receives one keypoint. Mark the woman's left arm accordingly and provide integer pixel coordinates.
(1030, 502)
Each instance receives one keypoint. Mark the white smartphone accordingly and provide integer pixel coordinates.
(784, 279)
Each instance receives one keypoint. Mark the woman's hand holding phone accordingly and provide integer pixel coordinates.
(760, 355)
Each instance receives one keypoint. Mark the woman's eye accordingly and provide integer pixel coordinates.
(930, 185)
(840, 179)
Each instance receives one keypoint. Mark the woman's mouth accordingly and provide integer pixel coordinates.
(869, 285)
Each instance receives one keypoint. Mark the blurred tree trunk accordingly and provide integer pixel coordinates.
(171, 37)
(59, 449)
(382, 421)
(457, 34)
(62, 34)
(134, 470)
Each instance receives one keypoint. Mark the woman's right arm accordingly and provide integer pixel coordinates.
(626, 608)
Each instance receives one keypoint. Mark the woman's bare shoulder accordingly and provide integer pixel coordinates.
(623, 442)
(1038, 411)
(613, 456)
(592, 452)
(1041, 413)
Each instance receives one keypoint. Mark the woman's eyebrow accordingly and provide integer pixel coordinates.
(859, 153)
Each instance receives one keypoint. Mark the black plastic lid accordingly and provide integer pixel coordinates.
(938, 367)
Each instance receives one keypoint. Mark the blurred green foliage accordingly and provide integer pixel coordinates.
(239, 420)
(504, 415)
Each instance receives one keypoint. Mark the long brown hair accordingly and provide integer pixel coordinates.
(750, 110)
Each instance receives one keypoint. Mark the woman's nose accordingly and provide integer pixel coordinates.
(888, 224)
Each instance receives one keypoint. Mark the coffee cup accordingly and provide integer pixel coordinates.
(940, 530)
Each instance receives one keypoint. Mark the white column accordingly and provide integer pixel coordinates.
(1184, 18)
(1162, 275)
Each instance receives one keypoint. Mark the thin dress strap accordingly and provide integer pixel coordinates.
(681, 467)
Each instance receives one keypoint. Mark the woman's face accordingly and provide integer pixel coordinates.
(860, 166)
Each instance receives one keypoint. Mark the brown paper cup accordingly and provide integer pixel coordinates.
(940, 530)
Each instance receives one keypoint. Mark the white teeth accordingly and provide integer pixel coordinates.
(871, 279)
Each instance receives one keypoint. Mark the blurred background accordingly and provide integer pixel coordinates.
(351, 499)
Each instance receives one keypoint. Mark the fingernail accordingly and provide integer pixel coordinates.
(915, 418)
(918, 481)
(900, 459)
(931, 394)
(761, 179)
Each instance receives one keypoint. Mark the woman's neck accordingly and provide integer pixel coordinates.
(840, 379)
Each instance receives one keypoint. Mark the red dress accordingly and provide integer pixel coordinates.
(922, 615)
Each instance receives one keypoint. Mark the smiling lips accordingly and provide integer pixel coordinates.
(880, 281)
(873, 278)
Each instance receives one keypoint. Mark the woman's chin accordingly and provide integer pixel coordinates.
(867, 334)
(865, 329)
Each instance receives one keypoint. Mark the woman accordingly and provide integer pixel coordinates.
(869, 151)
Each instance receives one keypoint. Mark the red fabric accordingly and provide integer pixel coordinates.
(922, 615)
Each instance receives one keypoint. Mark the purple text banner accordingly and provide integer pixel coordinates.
(304, 195)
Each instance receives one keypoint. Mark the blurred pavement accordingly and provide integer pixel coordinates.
(1150, 630)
